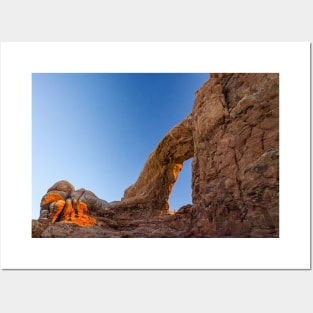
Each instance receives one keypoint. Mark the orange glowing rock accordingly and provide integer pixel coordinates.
(81, 218)
(68, 212)
(50, 197)
(82, 208)
(76, 214)
(59, 208)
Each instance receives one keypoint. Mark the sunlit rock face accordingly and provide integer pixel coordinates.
(232, 136)
(62, 203)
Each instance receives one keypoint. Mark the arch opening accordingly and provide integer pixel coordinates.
(181, 191)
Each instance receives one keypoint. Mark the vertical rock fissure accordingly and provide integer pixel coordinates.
(238, 180)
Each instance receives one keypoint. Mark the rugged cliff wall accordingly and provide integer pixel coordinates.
(235, 165)
(232, 134)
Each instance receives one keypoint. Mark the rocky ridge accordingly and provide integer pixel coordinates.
(232, 136)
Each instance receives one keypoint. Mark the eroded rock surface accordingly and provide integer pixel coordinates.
(232, 134)
(235, 165)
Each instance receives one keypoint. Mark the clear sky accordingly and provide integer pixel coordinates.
(97, 130)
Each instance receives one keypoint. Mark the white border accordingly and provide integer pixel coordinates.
(20, 251)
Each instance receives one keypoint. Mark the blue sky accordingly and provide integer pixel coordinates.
(97, 130)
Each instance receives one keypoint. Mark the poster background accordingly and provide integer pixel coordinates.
(221, 290)
(20, 60)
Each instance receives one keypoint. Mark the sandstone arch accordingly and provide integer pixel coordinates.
(161, 170)
(232, 134)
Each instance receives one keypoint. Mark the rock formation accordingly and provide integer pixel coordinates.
(232, 136)
(63, 203)
(161, 170)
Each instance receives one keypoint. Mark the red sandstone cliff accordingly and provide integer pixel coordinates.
(232, 136)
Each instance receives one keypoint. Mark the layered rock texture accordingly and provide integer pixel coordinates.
(232, 136)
